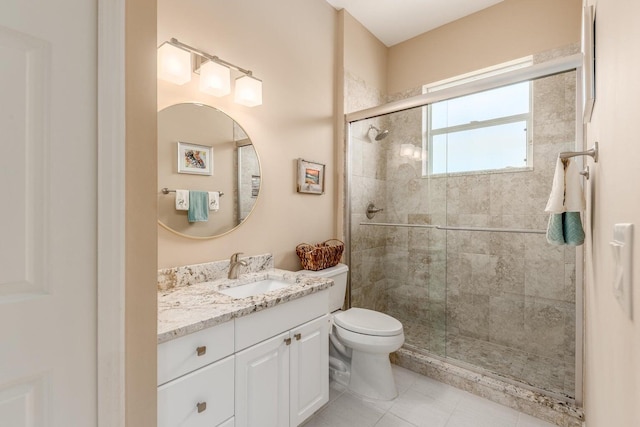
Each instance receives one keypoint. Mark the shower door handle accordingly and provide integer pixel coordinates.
(372, 210)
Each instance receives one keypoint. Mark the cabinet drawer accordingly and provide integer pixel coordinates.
(264, 324)
(203, 398)
(229, 423)
(190, 352)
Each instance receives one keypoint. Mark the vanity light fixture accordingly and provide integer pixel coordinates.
(215, 79)
(174, 64)
(215, 73)
(248, 91)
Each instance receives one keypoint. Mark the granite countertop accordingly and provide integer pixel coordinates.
(188, 309)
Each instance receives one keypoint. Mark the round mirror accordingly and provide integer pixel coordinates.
(202, 149)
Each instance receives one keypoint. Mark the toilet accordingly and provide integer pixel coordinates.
(360, 342)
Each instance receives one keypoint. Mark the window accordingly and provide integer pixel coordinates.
(483, 131)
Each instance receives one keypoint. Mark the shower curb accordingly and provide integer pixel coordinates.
(550, 409)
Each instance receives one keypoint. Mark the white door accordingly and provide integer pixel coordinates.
(262, 384)
(48, 84)
(309, 372)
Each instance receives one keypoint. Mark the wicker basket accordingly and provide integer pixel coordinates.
(321, 255)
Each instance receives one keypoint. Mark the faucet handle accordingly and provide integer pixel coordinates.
(234, 257)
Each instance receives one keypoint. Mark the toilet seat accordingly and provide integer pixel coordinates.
(368, 322)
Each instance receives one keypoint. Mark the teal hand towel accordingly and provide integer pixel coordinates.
(555, 236)
(565, 229)
(198, 206)
(572, 228)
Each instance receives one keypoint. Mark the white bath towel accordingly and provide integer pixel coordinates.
(566, 190)
(182, 200)
(214, 200)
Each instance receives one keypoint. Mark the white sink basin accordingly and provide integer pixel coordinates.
(254, 288)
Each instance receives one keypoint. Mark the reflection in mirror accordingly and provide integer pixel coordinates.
(232, 159)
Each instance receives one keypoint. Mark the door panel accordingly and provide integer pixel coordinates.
(24, 87)
(48, 218)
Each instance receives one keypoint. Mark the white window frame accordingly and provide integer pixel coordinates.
(427, 133)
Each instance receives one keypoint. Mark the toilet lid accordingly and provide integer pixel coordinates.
(369, 322)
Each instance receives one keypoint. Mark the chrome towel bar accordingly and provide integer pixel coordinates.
(452, 228)
(165, 190)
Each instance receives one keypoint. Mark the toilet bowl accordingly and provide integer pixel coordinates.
(360, 342)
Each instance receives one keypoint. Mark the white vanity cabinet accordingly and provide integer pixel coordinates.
(196, 379)
(282, 363)
(266, 369)
(282, 381)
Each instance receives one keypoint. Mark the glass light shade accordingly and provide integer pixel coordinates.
(248, 91)
(174, 64)
(215, 79)
(406, 150)
(417, 153)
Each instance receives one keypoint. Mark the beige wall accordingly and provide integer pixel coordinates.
(364, 55)
(612, 376)
(140, 212)
(509, 30)
(290, 45)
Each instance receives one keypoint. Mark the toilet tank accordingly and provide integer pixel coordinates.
(338, 274)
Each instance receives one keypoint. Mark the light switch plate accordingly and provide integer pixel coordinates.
(622, 246)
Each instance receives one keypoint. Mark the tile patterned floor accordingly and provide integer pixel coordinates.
(422, 401)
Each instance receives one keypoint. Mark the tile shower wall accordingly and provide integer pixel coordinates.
(368, 182)
(501, 302)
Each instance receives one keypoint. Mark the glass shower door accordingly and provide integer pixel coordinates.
(447, 255)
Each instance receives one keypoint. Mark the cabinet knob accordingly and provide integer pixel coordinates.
(202, 406)
(298, 336)
(201, 351)
(287, 341)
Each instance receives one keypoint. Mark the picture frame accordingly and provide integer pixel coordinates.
(195, 159)
(310, 177)
(588, 62)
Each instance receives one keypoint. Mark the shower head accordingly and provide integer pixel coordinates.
(380, 135)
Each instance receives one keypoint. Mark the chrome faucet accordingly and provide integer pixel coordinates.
(234, 265)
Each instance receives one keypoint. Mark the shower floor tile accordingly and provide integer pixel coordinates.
(421, 401)
(552, 375)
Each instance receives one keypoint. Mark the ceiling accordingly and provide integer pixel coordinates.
(394, 21)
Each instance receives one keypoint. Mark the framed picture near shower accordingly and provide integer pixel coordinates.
(310, 177)
(588, 62)
(195, 159)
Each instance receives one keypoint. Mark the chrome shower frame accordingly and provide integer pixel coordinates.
(537, 71)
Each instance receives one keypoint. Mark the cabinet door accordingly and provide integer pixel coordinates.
(309, 373)
(262, 384)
